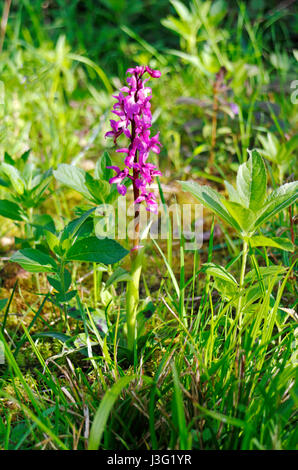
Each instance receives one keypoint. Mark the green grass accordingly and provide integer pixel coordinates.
(199, 378)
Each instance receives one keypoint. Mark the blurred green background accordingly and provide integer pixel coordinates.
(62, 60)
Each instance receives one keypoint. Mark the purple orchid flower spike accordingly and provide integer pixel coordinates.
(133, 109)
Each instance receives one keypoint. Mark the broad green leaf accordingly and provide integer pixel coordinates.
(14, 176)
(252, 181)
(276, 242)
(101, 170)
(10, 210)
(279, 199)
(44, 222)
(56, 281)
(102, 413)
(216, 270)
(73, 177)
(243, 216)
(73, 226)
(52, 240)
(211, 199)
(233, 194)
(27, 175)
(118, 275)
(97, 250)
(98, 189)
(40, 183)
(34, 261)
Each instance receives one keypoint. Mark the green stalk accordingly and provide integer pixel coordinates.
(132, 291)
(132, 297)
(241, 282)
(62, 268)
(95, 284)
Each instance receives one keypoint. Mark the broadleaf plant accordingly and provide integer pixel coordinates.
(25, 185)
(26, 188)
(246, 210)
(248, 207)
(70, 244)
(95, 189)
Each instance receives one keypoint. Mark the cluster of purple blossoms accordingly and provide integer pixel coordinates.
(134, 110)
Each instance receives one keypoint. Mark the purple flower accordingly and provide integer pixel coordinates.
(121, 175)
(134, 111)
(234, 108)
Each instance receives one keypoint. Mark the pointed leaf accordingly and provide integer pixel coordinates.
(34, 261)
(275, 242)
(252, 181)
(98, 189)
(40, 184)
(10, 210)
(52, 240)
(218, 271)
(279, 199)
(233, 194)
(244, 216)
(73, 226)
(56, 281)
(8, 159)
(97, 250)
(101, 170)
(211, 199)
(264, 272)
(14, 175)
(74, 178)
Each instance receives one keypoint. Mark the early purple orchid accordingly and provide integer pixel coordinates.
(134, 110)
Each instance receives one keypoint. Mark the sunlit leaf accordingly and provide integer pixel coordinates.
(34, 261)
(252, 181)
(97, 250)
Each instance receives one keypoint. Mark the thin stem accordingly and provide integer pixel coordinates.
(241, 282)
(214, 125)
(62, 279)
(132, 298)
(95, 284)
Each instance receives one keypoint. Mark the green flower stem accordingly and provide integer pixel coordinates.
(241, 282)
(132, 297)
